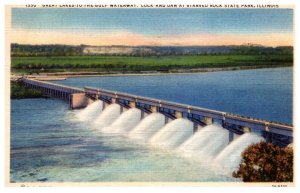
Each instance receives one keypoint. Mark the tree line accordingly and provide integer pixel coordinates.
(23, 50)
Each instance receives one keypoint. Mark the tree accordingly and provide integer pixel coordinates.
(265, 162)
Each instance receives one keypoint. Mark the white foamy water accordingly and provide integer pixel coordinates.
(90, 112)
(108, 116)
(125, 122)
(173, 134)
(148, 127)
(206, 143)
(230, 157)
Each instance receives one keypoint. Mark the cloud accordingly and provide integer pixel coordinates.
(133, 39)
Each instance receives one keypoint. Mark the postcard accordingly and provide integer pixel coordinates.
(150, 94)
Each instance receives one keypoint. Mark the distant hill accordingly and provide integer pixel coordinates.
(21, 50)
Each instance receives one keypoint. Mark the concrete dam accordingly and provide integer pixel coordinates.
(191, 131)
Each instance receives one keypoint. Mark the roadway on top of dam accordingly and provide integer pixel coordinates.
(263, 125)
(261, 93)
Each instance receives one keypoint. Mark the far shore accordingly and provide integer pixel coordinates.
(64, 75)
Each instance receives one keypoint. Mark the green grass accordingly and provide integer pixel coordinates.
(128, 63)
(19, 91)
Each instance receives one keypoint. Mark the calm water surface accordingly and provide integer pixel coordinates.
(260, 93)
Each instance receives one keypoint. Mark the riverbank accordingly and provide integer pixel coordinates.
(266, 162)
(69, 74)
(146, 64)
(19, 91)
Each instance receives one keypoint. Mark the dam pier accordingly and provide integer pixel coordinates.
(276, 133)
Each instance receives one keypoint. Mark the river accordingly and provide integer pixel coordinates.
(260, 93)
(50, 143)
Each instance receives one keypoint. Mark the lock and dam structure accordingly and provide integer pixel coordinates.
(276, 133)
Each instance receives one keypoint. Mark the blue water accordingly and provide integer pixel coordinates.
(260, 93)
(49, 144)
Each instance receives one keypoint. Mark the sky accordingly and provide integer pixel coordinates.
(269, 27)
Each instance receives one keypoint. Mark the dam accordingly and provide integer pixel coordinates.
(235, 125)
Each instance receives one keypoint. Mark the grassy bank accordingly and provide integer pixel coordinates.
(19, 91)
(150, 63)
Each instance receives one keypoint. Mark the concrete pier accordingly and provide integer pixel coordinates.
(104, 105)
(178, 114)
(166, 120)
(154, 109)
(207, 120)
(195, 127)
(114, 100)
(231, 136)
(246, 129)
(132, 104)
(79, 101)
(142, 115)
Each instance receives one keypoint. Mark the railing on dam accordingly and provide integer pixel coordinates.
(49, 86)
(200, 116)
(75, 96)
(236, 124)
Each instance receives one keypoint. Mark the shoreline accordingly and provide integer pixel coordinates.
(19, 91)
(65, 75)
